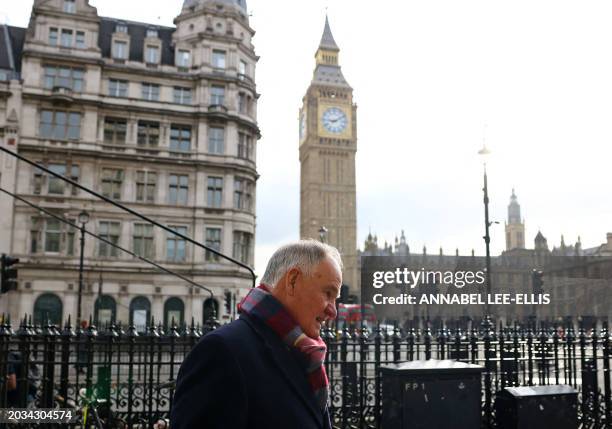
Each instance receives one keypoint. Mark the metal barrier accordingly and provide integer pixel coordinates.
(133, 370)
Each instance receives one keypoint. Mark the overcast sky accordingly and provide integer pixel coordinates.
(427, 77)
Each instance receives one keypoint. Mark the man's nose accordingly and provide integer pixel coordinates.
(330, 311)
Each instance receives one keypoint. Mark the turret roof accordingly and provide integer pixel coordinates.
(239, 3)
(327, 40)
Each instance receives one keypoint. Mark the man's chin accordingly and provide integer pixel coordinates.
(313, 333)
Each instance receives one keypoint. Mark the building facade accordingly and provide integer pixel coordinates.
(162, 120)
(578, 280)
(327, 147)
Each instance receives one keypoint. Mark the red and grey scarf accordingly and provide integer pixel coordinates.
(261, 304)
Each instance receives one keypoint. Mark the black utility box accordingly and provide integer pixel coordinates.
(431, 394)
(537, 407)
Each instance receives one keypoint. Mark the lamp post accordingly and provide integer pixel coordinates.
(83, 219)
(484, 152)
(323, 234)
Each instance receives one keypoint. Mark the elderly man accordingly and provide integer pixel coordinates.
(265, 370)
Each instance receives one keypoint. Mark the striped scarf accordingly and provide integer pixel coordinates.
(260, 303)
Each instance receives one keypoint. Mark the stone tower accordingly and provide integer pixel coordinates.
(515, 226)
(328, 143)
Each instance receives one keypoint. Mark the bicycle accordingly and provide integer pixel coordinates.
(91, 407)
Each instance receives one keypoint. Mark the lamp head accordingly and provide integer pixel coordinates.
(83, 217)
(484, 154)
(322, 233)
(484, 151)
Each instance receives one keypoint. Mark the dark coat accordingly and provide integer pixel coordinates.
(243, 376)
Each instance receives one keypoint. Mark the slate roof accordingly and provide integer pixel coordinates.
(137, 32)
(327, 40)
(329, 75)
(11, 47)
(11, 59)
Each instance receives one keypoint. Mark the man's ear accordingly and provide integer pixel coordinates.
(292, 277)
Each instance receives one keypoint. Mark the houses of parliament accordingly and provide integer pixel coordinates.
(577, 279)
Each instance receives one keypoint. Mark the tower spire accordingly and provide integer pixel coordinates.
(327, 40)
(515, 227)
(514, 210)
(327, 71)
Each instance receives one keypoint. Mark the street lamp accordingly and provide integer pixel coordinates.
(484, 152)
(83, 219)
(323, 234)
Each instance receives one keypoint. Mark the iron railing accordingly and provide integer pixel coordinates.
(134, 372)
(510, 355)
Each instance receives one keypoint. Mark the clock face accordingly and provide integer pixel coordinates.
(302, 126)
(334, 120)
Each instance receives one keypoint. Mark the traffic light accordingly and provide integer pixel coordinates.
(344, 294)
(537, 281)
(228, 302)
(9, 275)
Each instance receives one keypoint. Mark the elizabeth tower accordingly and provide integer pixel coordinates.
(328, 143)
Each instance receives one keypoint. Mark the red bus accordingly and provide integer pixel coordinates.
(352, 314)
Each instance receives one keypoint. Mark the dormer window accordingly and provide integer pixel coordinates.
(121, 28)
(152, 54)
(183, 58)
(70, 6)
(152, 32)
(120, 49)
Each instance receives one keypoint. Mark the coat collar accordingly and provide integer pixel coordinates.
(283, 357)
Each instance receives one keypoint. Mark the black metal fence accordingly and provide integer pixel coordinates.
(129, 370)
(511, 356)
(132, 370)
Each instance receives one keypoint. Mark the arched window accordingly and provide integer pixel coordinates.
(48, 309)
(105, 311)
(140, 313)
(174, 309)
(210, 305)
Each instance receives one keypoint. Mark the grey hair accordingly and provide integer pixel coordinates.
(303, 254)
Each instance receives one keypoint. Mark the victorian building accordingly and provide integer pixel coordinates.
(578, 280)
(160, 119)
